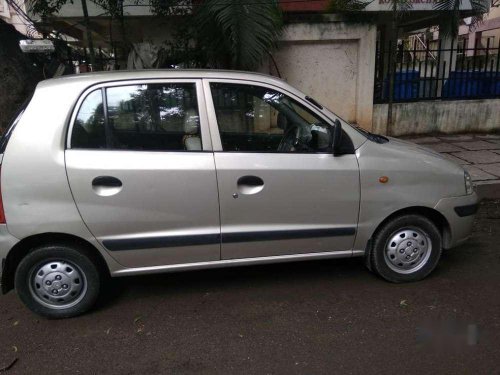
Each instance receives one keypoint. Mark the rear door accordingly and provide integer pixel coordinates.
(281, 189)
(141, 169)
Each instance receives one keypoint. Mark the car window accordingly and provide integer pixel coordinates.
(88, 129)
(258, 119)
(159, 117)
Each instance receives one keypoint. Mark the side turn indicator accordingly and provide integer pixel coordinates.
(383, 179)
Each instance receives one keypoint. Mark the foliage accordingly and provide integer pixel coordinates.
(168, 7)
(451, 24)
(347, 5)
(182, 50)
(216, 33)
(111, 7)
(237, 34)
(45, 8)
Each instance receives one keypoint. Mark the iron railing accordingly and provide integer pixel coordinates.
(428, 71)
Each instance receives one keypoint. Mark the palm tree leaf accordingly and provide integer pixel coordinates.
(446, 5)
(245, 32)
(450, 18)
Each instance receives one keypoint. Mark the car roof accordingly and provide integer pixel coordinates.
(119, 75)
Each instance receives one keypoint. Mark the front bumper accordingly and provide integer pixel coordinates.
(7, 242)
(460, 214)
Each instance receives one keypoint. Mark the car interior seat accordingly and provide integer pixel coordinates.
(191, 139)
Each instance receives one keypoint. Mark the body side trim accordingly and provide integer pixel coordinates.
(237, 262)
(161, 241)
(123, 244)
(286, 234)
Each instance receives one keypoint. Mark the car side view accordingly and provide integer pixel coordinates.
(128, 173)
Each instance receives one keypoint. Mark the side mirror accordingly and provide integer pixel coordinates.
(337, 137)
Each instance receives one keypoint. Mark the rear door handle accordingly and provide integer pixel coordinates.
(249, 185)
(106, 181)
(105, 186)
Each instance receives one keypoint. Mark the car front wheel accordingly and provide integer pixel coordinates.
(58, 281)
(406, 248)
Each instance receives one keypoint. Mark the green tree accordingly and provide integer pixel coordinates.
(46, 8)
(234, 34)
(237, 34)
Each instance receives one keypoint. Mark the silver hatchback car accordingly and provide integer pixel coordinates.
(127, 173)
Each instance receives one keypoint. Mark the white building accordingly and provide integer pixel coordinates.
(12, 12)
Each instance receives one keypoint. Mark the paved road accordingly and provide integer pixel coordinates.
(311, 318)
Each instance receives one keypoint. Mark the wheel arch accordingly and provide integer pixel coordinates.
(23, 247)
(432, 214)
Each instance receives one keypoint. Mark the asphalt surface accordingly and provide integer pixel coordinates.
(319, 317)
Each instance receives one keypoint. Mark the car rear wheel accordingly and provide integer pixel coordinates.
(58, 281)
(406, 249)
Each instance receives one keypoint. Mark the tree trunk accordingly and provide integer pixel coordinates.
(18, 74)
(392, 66)
(90, 42)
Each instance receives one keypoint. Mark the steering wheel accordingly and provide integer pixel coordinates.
(290, 139)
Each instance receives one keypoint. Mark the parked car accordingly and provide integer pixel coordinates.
(128, 173)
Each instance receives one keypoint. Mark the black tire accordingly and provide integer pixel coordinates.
(411, 225)
(78, 289)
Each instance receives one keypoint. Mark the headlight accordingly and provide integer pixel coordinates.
(468, 183)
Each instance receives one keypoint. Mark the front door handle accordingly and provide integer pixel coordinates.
(106, 185)
(107, 181)
(249, 185)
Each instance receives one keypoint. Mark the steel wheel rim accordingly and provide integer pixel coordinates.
(57, 284)
(407, 250)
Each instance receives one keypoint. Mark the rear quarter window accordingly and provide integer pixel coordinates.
(10, 128)
(144, 117)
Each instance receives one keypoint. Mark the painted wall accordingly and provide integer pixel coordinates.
(10, 15)
(334, 63)
(454, 116)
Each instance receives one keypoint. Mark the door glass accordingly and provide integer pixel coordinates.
(258, 119)
(88, 129)
(157, 117)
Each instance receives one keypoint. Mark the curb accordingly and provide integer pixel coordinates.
(488, 189)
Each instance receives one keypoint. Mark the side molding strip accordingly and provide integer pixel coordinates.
(286, 234)
(163, 241)
(123, 244)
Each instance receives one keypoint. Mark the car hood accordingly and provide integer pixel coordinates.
(413, 165)
(417, 148)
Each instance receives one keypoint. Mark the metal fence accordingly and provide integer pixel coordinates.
(429, 71)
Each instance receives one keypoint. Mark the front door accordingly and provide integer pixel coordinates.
(142, 172)
(281, 190)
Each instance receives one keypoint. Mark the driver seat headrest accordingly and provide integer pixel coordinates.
(191, 122)
(191, 139)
